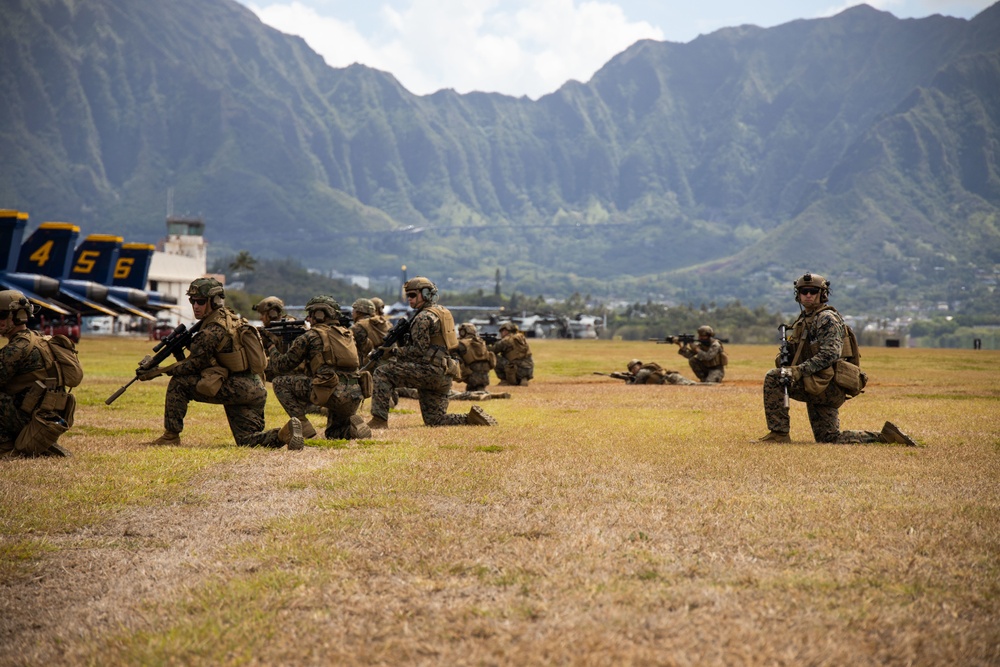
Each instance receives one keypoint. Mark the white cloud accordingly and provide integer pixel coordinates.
(339, 42)
(515, 47)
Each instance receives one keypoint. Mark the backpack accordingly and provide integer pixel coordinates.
(339, 349)
(339, 352)
(518, 347)
(248, 348)
(69, 372)
(657, 371)
(847, 371)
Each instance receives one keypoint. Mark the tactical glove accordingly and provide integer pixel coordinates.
(794, 372)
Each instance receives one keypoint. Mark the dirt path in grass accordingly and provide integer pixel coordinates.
(102, 577)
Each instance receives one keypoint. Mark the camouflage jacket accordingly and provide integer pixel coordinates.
(817, 339)
(19, 358)
(211, 339)
(512, 348)
(424, 327)
(709, 356)
(369, 334)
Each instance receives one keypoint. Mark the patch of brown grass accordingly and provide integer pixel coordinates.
(598, 524)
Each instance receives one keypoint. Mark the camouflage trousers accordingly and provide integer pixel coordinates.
(512, 372)
(677, 378)
(707, 373)
(293, 393)
(476, 396)
(12, 420)
(823, 410)
(477, 376)
(242, 396)
(648, 377)
(432, 387)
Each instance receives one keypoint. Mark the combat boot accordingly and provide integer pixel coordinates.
(774, 436)
(891, 433)
(56, 450)
(478, 417)
(377, 424)
(168, 438)
(291, 434)
(359, 429)
(308, 430)
(523, 382)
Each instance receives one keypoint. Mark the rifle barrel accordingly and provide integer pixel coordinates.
(121, 390)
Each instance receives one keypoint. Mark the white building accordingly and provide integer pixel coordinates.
(180, 258)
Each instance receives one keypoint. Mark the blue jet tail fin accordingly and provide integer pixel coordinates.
(12, 224)
(49, 250)
(132, 267)
(96, 258)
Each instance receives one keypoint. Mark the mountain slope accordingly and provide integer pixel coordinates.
(868, 143)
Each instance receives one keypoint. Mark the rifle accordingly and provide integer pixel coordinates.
(490, 338)
(685, 339)
(171, 344)
(784, 359)
(395, 335)
(618, 375)
(289, 330)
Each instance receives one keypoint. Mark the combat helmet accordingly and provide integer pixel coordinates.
(364, 306)
(207, 288)
(15, 303)
(322, 308)
(813, 280)
(467, 330)
(705, 330)
(379, 305)
(423, 285)
(508, 326)
(633, 362)
(272, 305)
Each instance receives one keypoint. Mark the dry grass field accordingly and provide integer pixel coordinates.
(599, 524)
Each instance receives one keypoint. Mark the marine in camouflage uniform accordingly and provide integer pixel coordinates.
(706, 357)
(329, 353)
(653, 373)
(369, 329)
(475, 358)
(21, 365)
(514, 363)
(241, 393)
(424, 362)
(817, 339)
(272, 313)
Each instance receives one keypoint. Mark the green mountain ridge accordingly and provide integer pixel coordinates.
(860, 145)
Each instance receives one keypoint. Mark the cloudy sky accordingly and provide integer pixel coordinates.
(530, 47)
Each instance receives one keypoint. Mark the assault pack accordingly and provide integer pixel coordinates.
(248, 347)
(65, 360)
(847, 371)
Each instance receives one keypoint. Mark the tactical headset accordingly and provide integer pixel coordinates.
(17, 305)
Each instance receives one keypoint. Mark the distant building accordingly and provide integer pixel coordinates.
(180, 257)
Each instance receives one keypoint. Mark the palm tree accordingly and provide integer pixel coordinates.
(244, 261)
